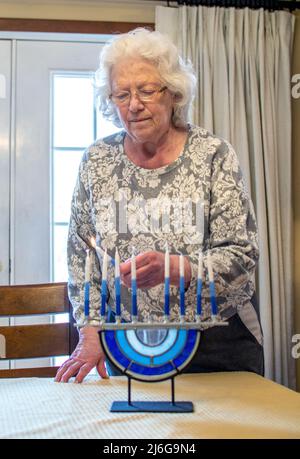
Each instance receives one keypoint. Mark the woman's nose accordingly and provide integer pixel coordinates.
(135, 104)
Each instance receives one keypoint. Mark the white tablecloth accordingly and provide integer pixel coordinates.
(227, 405)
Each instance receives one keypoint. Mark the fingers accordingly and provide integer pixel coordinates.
(101, 368)
(143, 259)
(79, 368)
(149, 270)
(83, 372)
(67, 370)
(148, 276)
(62, 369)
(86, 356)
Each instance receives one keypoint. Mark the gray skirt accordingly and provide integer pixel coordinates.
(231, 348)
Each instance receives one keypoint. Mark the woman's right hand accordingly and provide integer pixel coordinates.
(87, 355)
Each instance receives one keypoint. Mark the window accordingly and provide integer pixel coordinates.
(76, 123)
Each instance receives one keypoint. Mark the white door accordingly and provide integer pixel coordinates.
(5, 102)
(55, 121)
(47, 119)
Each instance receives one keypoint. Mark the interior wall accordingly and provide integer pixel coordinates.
(83, 11)
(296, 185)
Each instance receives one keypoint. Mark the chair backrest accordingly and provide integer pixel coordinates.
(30, 341)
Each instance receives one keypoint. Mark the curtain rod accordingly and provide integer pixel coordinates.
(254, 4)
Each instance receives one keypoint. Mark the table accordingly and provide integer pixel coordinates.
(227, 405)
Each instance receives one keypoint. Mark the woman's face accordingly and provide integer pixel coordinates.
(143, 121)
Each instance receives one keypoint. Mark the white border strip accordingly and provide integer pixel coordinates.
(52, 36)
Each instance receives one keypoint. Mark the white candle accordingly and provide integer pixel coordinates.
(98, 250)
(117, 264)
(100, 253)
(181, 265)
(167, 263)
(200, 265)
(133, 265)
(104, 266)
(87, 273)
(209, 267)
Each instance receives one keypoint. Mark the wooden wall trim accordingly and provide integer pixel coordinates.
(67, 26)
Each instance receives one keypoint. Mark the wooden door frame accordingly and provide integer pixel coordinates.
(68, 26)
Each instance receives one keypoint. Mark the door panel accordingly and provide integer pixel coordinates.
(5, 101)
(32, 192)
(30, 229)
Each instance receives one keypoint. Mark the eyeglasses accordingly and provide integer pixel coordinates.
(144, 95)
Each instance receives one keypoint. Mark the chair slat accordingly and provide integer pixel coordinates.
(34, 299)
(40, 340)
(40, 372)
(28, 341)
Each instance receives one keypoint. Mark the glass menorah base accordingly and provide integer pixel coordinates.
(151, 407)
(152, 352)
(130, 406)
(200, 324)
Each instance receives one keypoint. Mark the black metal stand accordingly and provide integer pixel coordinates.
(152, 407)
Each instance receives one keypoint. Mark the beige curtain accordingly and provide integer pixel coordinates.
(242, 59)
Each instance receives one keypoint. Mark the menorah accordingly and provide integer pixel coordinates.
(151, 351)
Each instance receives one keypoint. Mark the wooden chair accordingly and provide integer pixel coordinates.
(43, 340)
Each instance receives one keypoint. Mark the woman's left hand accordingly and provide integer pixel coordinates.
(150, 270)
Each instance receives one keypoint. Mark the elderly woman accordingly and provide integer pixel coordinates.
(141, 188)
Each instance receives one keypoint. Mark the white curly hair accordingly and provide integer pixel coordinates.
(157, 48)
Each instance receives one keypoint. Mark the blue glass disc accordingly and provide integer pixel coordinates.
(140, 359)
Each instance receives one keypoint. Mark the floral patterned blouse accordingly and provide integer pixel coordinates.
(198, 202)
